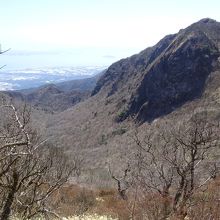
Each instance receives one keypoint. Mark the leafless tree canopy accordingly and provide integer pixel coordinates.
(1, 52)
(30, 169)
(176, 161)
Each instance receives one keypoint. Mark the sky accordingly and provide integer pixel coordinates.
(90, 32)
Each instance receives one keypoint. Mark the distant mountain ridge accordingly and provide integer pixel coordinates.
(87, 84)
(57, 97)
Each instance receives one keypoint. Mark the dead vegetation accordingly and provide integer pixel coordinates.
(30, 169)
(172, 168)
(73, 200)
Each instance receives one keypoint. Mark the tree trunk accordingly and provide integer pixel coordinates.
(166, 209)
(181, 212)
(166, 204)
(10, 198)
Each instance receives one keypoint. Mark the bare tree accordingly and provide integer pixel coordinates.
(30, 169)
(123, 182)
(176, 162)
(1, 52)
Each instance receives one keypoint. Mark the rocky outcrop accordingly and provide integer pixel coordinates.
(166, 76)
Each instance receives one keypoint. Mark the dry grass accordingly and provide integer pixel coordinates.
(84, 217)
(90, 217)
(78, 203)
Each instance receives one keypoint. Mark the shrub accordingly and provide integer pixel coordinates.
(84, 201)
(121, 115)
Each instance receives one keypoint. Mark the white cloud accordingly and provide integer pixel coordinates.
(6, 86)
(23, 78)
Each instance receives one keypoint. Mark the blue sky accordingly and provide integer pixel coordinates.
(78, 32)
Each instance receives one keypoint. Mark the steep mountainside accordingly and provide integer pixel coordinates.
(177, 76)
(164, 77)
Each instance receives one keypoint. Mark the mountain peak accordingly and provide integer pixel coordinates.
(162, 78)
(207, 21)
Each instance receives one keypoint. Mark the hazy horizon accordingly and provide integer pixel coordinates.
(70, 33)
(67, 58)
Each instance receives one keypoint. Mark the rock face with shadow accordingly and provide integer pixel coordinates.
(166, 76)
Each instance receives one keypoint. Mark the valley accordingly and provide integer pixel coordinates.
(146, 125)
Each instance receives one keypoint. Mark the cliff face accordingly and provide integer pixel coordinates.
(164, 77)
(130, 68)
